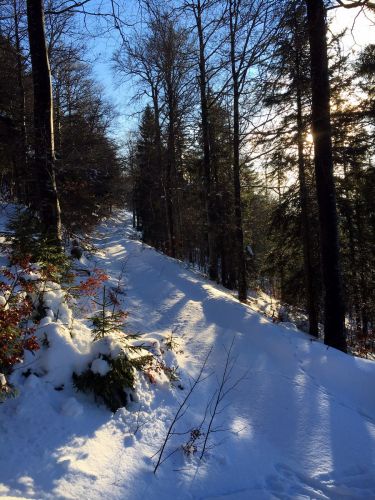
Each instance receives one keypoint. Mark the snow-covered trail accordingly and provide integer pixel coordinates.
(308, 413)
(299, 424)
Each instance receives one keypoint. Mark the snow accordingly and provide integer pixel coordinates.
(72, 408)
(298, 423)
(100, 366)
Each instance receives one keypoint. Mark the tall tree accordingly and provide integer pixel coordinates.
(334, 308)
(251, 29)
(310, 280)
(171, 48)
(45, 199)
(205, 31)
(22, 167)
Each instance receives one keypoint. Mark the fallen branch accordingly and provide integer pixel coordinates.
(221, 393)
(180, 412)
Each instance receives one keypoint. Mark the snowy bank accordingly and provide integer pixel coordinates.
(299, 422)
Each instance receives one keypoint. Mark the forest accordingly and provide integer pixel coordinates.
(197, 205)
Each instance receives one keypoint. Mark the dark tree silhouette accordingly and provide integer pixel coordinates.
(334, 309)
(45, 197)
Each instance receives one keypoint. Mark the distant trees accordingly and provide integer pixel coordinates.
(200, 10)
(14, 96)
(287, 92)
(167, 62)
(160, 63)
(12, 166)
(251, 113)
(251, 31)
(353, 135)
(148, 193)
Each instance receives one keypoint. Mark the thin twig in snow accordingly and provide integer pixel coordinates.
(181, 410)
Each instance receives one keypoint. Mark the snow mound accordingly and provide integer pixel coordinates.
(100, 366)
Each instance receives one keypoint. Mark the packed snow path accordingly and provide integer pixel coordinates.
(300, 423)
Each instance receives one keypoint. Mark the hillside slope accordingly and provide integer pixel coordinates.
(299, 421)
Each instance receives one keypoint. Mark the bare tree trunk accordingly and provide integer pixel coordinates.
(334, 309)
(158, 144)
(241, 264)
(171, 168)
(311, 295)
(209, 198)
(310, 281)
(21, 172)
(46, 199)
(58, 141)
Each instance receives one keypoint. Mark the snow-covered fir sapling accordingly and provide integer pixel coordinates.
(172, 344)
(118, 355)
(27, 242)
(111, 381)
(109, 318)
(111, 374)
(51, 265)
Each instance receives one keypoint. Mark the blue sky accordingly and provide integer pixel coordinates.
(100, 49)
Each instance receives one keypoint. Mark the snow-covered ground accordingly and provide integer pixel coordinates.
(299, 421)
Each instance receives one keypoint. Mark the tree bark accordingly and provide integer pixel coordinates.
(171, 169)
(209, 198)
(311, 295)
(159, 151)
(46, 200)
(21, 172)
(241, 264)
(310, 281)
(334, 309)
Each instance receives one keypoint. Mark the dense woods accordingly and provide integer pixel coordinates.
(251, 171)
(253, 159)
(58, 157)
(187, 236)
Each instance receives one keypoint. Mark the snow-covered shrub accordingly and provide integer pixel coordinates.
(27, 242)
(111, 379)
(34, 268)
(111, 374)
(118, 357)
